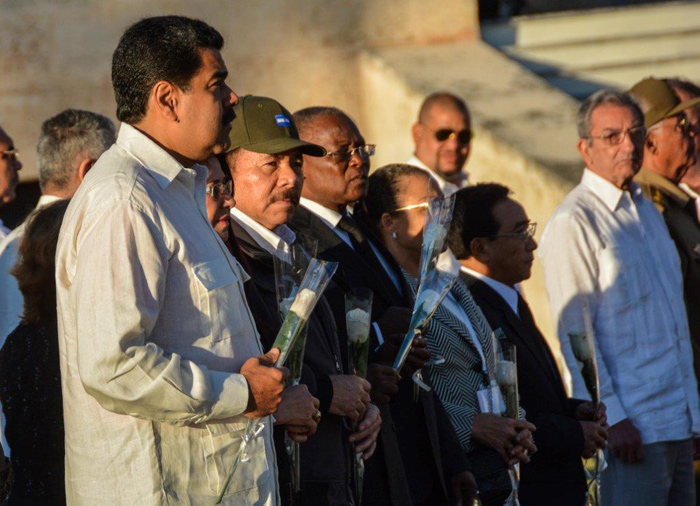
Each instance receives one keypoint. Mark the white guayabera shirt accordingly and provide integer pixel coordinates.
(609, 250)
(153, 328)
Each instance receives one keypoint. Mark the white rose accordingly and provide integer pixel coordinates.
(505, 373)
(303, 303)
(358, 322)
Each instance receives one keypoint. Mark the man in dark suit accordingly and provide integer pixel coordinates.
(493, 238)
(419, 458)
(266, 166)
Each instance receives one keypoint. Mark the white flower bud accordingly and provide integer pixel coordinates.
(505, 373)
(303, 303)
(358, 322)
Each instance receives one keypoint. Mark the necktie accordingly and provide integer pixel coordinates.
(360, 243)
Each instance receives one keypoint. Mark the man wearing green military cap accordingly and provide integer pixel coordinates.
(266, 163)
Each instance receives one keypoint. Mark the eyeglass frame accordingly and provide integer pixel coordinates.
(11, 154)
(223, 189)
(607, 138)
(525, 235)
(365, 151)
(451, 134)
(424, 205)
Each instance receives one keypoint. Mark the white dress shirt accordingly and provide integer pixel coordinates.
(694, 195)
(11, 300)
(446, 186)
(509, 295)
(270, 240)
(153, 329)
(609, 250)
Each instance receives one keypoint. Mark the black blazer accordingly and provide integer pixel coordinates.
(559, 437)
(326, 456)
(419, 435)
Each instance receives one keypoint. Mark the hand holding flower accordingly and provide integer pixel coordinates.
(350, 396)
(265, 383)
(365, 438)
(384, 381)
(296, 411)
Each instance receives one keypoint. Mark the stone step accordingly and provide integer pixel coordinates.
(613, 51)
(600, 24)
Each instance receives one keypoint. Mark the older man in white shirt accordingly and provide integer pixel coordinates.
(442, 139)
(68, 146)
(606, 252)
(160, 360)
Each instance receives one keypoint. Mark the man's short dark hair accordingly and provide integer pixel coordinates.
(473, 216)
(164, 48)
(304, 117)
(444, 99)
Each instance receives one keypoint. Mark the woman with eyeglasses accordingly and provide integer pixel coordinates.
(395, 209)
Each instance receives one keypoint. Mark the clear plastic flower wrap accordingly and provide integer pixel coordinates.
(358, 317)
(433, 283)
(310, 290)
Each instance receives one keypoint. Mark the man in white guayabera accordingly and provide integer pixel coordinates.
(161, 363)
(607, 254)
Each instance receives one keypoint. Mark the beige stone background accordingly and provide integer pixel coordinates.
(376, 59)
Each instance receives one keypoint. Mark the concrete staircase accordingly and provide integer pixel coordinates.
(580, 52)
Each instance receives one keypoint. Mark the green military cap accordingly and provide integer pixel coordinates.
(657, 100)
(263, 125)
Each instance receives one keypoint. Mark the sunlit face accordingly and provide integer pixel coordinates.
(268, 187)
(218, 209)
(675, 149)
(205, 111)
(9, 168)
(408, 225)
(510, 257)
(617, 163)
(331, 182)
(444, 157)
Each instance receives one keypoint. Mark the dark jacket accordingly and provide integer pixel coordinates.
(418, 451)
(559, 437)
(325, 457)
(678, 210)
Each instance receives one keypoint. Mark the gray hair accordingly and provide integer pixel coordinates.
(68, 138)
(583, 117)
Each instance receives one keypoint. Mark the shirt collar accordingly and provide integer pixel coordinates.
(328, 216)
(45, 200)
(510, 295)
(610, 194)
(158, 162)
(446, 186)
(269, 240)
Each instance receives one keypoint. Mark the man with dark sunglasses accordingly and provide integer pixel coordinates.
(442, 138)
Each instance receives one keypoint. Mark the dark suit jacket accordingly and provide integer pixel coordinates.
(559, 437)
(678, 210)
(326, 456)
(419, 435)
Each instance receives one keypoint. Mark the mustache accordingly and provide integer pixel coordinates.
(292, 195)
(228, 116)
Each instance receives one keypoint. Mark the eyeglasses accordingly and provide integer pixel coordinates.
(9, 154)
(423, 205)
(525, 235)
(614, 137)
(343, 155)
(219, 189)
(463, 136)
